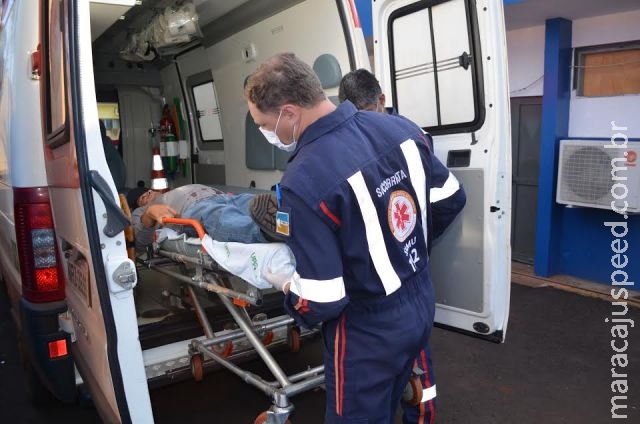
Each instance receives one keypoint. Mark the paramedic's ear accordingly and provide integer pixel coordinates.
(290, 111)
(382, 100)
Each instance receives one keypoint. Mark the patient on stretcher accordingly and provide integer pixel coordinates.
(243, 218)
(240, 228)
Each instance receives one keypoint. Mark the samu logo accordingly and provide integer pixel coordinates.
(401, 214)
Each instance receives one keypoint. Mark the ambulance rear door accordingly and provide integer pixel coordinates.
(442, 64)
(88, 220)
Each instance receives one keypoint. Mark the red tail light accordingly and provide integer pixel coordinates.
(40, 266)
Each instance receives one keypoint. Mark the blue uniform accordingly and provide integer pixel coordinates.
(425, 411)
(362, 197)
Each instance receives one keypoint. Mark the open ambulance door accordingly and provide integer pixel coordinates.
(443, 65)
(88, 221)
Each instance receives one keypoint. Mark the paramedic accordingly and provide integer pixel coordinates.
(355, 207)
(362, 89)
(225, 217)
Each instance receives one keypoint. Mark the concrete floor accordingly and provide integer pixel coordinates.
(555, 368)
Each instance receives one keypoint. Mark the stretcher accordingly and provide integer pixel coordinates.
(203, 272)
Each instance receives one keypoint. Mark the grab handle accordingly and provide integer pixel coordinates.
(184, 221)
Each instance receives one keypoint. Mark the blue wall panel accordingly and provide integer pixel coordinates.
(572, 241)
(364, 13)
(586, 245)
(554, 126)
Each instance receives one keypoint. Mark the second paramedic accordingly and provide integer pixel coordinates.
(362, 89)
(356, 210)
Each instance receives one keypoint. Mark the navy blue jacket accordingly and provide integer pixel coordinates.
(362, 198)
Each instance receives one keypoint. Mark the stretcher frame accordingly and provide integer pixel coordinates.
(218, 348)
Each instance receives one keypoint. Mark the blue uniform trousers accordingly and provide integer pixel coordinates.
(425, 412)
(369, 352)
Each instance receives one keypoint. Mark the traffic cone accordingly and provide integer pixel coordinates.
(158, 178)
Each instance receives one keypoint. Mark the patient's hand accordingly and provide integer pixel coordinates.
(155, 213)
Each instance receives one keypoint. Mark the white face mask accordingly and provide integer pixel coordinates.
(273, 138)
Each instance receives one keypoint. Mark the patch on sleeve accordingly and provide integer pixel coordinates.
(401, 214)
(282, 223)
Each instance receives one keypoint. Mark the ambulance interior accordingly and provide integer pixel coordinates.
(194, 56)
(183, 65)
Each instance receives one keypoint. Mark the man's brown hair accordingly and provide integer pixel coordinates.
(283, 78)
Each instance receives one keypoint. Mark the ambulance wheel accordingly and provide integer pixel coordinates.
(262, 419)
(293, 339)
(223, 350)
(268, 338)
(197, 367)
(413, 391)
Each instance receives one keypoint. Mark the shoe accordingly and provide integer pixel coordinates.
(263, 208)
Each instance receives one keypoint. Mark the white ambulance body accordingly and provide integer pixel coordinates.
(76, 297)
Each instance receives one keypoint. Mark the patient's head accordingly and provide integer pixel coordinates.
(147, 197)
(141, 196)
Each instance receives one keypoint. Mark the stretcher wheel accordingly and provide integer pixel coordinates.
(197, 367)
(268, 338)
(224, 350)
(262, 419)
(413, 391)
(293, 339)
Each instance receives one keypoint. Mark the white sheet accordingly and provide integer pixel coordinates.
(247, 261)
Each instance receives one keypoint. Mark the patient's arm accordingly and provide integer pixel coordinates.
(145, 220)
(154, 214)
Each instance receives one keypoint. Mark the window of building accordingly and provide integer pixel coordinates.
(610, 70)
(109, 114)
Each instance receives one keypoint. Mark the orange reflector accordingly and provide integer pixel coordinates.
(57, 348)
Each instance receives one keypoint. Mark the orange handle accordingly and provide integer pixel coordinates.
(183, 221)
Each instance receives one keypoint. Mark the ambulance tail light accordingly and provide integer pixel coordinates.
(40, 266)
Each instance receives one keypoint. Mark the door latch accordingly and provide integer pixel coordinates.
(125, 276)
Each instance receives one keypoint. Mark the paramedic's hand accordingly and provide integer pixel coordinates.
(155, 213)
(280, 281)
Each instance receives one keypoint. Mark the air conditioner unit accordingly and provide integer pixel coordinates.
(589, 175)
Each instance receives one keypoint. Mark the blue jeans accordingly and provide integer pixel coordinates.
(226, 218)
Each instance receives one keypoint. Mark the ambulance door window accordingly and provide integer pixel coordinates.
(203, 100)
(436, 82)
(204, 96)
(53, 73)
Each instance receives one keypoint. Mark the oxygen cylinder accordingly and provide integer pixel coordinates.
(168, 144)
(172, 152)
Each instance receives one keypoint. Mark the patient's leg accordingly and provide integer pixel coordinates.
(226, 218)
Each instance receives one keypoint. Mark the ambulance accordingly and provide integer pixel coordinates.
(89, 321)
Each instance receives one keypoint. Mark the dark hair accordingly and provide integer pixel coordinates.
(134, 194)
(360, 87)
(283, 78)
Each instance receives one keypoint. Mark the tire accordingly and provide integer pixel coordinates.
(262, 419)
